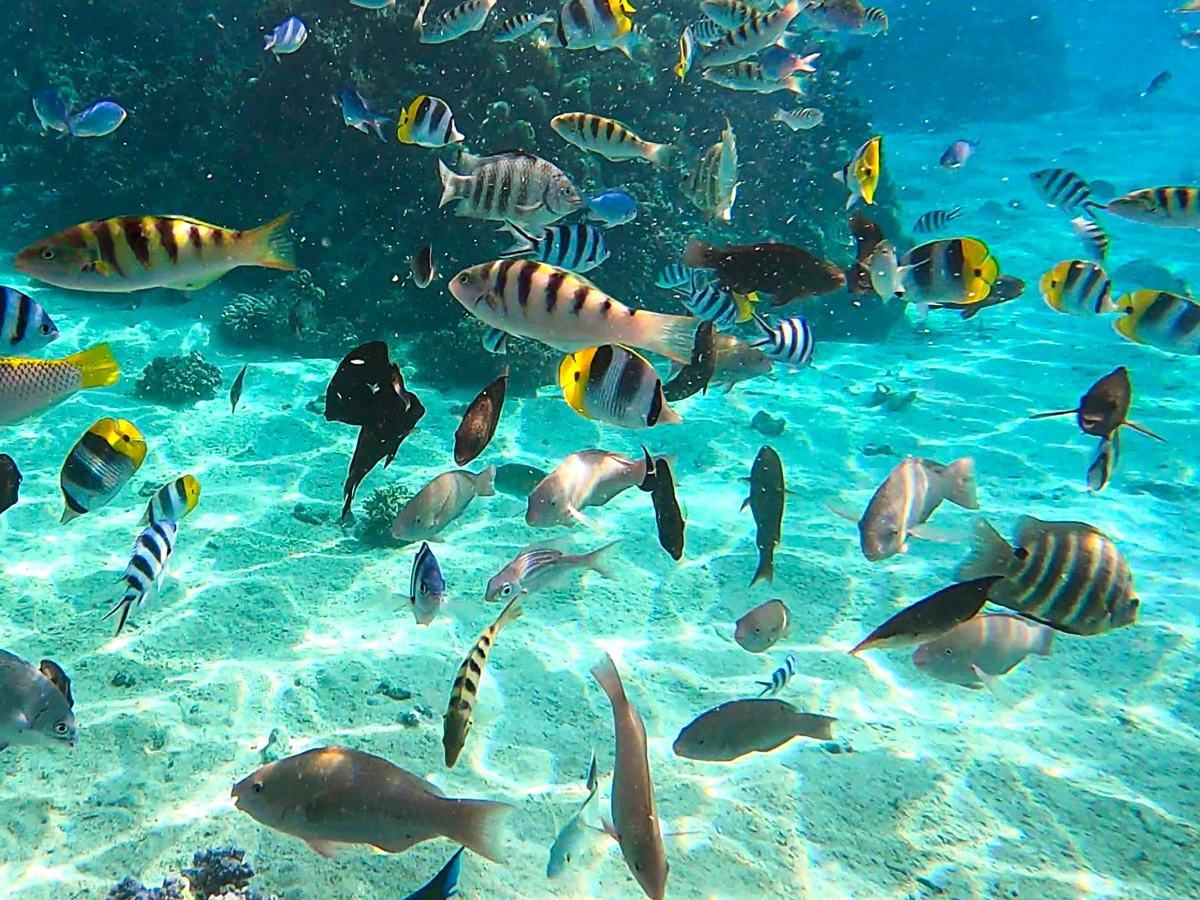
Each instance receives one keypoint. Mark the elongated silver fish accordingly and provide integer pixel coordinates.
(988, 645)
(512, 187)
(540, 567)
(751, 37)
(574, 836)
(521, 25)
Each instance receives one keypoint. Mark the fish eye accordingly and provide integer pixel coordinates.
(61, 728)
(948, 651)
(47, 253)
(464, 278)
(45, 329)
(507, 590)
(258, 787)
(1021, 553)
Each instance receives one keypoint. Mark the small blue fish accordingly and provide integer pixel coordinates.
(101, 118)
(287, 37)
(444, 884)
(357, 114)
(426, 586)
(52, 112)
(612, 207)
(24, 326)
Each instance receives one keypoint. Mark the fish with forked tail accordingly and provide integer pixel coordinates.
(766, 504)
(738, 727)
(659, 483)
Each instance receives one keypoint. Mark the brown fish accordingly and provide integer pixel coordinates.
(931, 617)
(634, 814)
(867, 236)
(785, 272)
(766, 504)
(987, 645)
(478, 424)
(739, 727)
(659, 483)
(330, 796)
(759, 629)
(1004, 289)
(57, 677)
(910, 494)
(1105, 407)
(695, 375)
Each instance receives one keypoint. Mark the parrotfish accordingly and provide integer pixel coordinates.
(440, 502)
(985, 646)
(35, 704)
(907, 498)
(930, 617)
(738, 727)
(583, 479)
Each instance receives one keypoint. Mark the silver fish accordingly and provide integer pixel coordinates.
(988, 645)
(440, 502)
(583, 479)
(573, 837)
(34, 710)
(512, 187)
(540, 567)
(908, 497)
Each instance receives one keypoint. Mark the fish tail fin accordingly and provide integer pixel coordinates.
(1043, 643)
(795, 84)
(672, 336)
(479, 825)
(661, 155)
(449, 184)
(97, 366)
(696, 253)
(960, 483)
(485, 482)
(990, 554)
(523, 241)
(1091, 207)
(272, 245)
(1143, 430)
(125, 604)
(602, 561)
(606, 675)
(765, 570)
(268, 42)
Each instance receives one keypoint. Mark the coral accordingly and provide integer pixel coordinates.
(381, 509)
(248, 320)
(215, 871)
(296, 316)
(130, 888)
(179, 380)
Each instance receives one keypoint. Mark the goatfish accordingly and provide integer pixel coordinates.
(1168, 322)
(738, 727)
(599, 24)
(427, 122)
(541, 567)
(957, 271)
(35, 704)
(1068, 575)
(573, 836)
(440, 502)
(910, 494)
(609, 138)
(479, 422)
(1166, 207)
(861, 173)
(521, 25)
(931, 617)
(30, 386)
(143, 576)
(751, 76)
(712, 184)
(459, 714)
(453, 23)
(537, 301)
(1078, 288)
(751, 37)
(981, 648)
(99, 465)
(512, 187)
(583, 479)
(759, 630)
(173, 501)
(135, 253)
(766, 502)
(615, 385)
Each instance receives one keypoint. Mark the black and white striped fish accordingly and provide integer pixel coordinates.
(495, 341)
(453, 23)
(713, 302)
(144, 574)
(676, 276)
(520, 25)
(173, 501)
(1094, 237)
(24, 325)
(1065, 190)
(790, 342)
(779, 678)
(936, 220)
(579, 247)
(707, 32)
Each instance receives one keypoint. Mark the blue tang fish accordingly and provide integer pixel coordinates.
(287, 37)
(52, 112)
(612, 207)
(356, 113)
(444, 884)
(101, 118)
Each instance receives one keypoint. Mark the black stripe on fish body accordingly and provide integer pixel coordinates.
(166, 237)
(580, 298)
(478, 179)
(1158, 310)
(132, 227)
(492, 187)
(89, 465)
(524, 285)
(24, 313)
(1187, 322)
(656, 408)
(143, 567)
(504, 193)
(1043, 598)
(1081, 606)
(500, 273)
(196, 239)
(1107, 581)
(1163, 200)
(422, 116)
(554, 285)
(106, 246)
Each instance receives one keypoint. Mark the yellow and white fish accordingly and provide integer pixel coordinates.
(687, 52)
(427, 122)
(1168, 322)
(861, 174)
(30, 386)
(712, 184)
(99, 465)
(1078, 287)
(608, 137)
(173, 501)
(599, 24)
(454, 23)
(612, 384)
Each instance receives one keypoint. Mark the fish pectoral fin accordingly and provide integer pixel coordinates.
(937, 535)
(327, 849)
(526, 210)
(992, 684)
(838, 508)
(581, 518)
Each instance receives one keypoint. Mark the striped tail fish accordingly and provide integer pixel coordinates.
(861, 174)
(579, 247)
(30, 386)
(799, 119)
(173, 501)
(1165, 321)
(602, 24)
(459, 715)
(1078, 288)
(1068, 575)
(712, 184)
(729, 14)
(611, 139)
(936, 220)
(874, 23)
(751, 37)
(99, 465)
(613, 384)
(779, 678)
(954, 271)
(533, 300)
(1065, 190)
(678, 277)
(750, 76)
(134, 253)
(1093, 236)
(707, 32)
(25, 327)
(516, 187)
(790, 342)
(453, 23)
(428, 122)
(521, 25)
(1167, 207)
(143, 576)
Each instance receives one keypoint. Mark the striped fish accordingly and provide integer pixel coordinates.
(173, 501)
(426, 586)
(512, 187)
(579, 247)
(729, 14)
(751, 37)
(790, 342)
(779, 678)
(799, 119)
(133, 253)
(687, 53)
(143, 576)
(428, 122)
(750, 76)
(1070, 575)
(454, 23)
(1078, 288)
(608, 137)
(99, 465)
(714, 303)
(1065, 190)
(459, 715)
(495, 341)
(29, 386)
(1167, 207)
(534, 300)
(1094, 237)
(540, 567)
(602, 24)
(24, 326)
(712, 184)
(936, 220)
(521, 25)
(875, 22)
(707, 32)
(1168, 322)
(676, 276)
(612, 384)
(948, 271)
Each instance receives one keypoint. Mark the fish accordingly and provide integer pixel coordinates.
(52, 111)
(495, 340)
(426, 586)
(99, 465)
(1078, 288)
(875, 22)
(599, 24)
(1166, 207)
(332, 796)
(135, 253)
(707, 32)
(1005, 289)
(510, 187)
(31, 386)
(759, 630)
(659, 483)
(578, 247)
(936, 220)
(1104, 409)
(444, 884)
(713, 303)
(286, 37)
(789, 342)
(750, 76)
(687, 53)
(612, 207)
(368, 391)
(541, 567)
(635, 821)
(957, 154)
(615, 385)
(835, 15)
(948, 271)
(235, 391)
(884, 272)
(173, 501)
(521, 25)
(373, 4)
(428, 122)
(1068, 575)
(100, 119)
(751, 37)
(538, 301)
(738, 727)
(35, 711)
(989, 645)
(711, 185)
(799, 119)
(1157, 83)
(1065, 190)
(583, 479)
(910, 494)
(675, 276)
(479, 422)
(424, 267)
(779, 678)
(518, 479)
(729, 14)
(931, 617)
(573, 836)
(460, 712)
(468, 16)
(867, 237)
(10, 483)
(785, 271)
(147, 566)
(25, 327)
(52, 670)
(766, 501)
(779, 62)
(1103, 463)
(440, 502)
(688, 380)
(1093, 236)
(1168, 322)
(736, 361)
(609, 138)
(357, 114)
(861, 173)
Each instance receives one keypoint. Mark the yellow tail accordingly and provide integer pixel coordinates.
(272, 245)
(97, 365)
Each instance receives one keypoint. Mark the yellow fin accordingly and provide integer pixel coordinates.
(97, 366)
(745, 306)
(272, 244)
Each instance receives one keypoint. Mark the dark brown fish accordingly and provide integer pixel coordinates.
(660, 484)
(696, 375)
(56, 676)
(739, 727)
(867, 236)
(1105, 407)
(235, 392)
(478, 424)
(759, 629)
(10, 482)
(784, 271)
(766, 503)
(931, 617)
(1005, 288)
(424, 269)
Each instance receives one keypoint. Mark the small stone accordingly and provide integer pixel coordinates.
(392, 691)
(409, 719)
(311, 514)
(278, 746)
(123, 680)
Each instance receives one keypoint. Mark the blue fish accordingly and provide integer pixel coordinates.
(101, 118)
(612, 207)
(52, 112)
(426, 586)
(444, 884)
(356, 113)
(287, 37)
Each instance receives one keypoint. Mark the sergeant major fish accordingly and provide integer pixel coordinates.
(766, 502)
(910, 494)
(287, 37)
(426, 586)
(578, 247)
(789, 342)
(541, 567)
(521, 25)
(440, 502)
(35, 708)
(147, 566)
(510, 187)
(25, 327)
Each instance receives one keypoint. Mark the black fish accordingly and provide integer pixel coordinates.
(867, 236)
(517, 479)
(931, 617)
(660, 484)
(766, 503)
(1105, 407)
(54, 673)
(479, 422)
(235, 392)
(696, 375)
(10, 482)
(1157, 83)
(423, 267)
(368, 390)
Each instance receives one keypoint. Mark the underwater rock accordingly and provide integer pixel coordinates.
(130, 888)
(179, 380)
(381, 509)
(248, 320)
(764, 423)
(393, 691)
(297, 316)
(311, 514)
(278, 746)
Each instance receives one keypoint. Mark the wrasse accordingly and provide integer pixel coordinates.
(608, 137)
(29, 386)
(135, 253)
(1167, 207)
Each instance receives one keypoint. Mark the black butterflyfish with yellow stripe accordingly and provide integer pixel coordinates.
(100, 465)
(428, 122)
